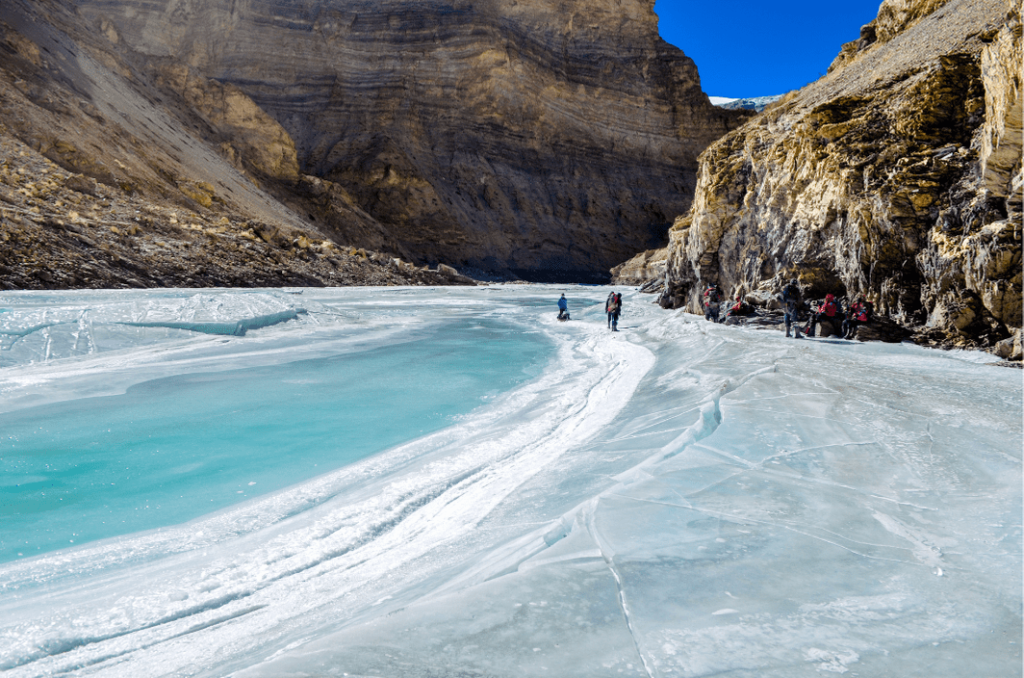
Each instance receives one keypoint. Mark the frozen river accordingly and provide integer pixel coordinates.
(449, 482)
(174, 448)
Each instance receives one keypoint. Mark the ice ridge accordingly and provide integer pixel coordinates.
(236, 329)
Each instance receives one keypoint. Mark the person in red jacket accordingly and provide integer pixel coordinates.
(827, 311)
(860, 313)
(738, 308)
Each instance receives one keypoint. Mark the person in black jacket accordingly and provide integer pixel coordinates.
(791, 299)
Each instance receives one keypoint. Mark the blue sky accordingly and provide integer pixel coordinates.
(749, 48)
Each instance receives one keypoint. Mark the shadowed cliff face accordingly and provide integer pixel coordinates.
(897, 175)
(551, 139)
(125, 172)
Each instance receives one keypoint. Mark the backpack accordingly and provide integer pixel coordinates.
(711, 296)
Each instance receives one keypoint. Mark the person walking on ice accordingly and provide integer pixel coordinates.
(614, 307)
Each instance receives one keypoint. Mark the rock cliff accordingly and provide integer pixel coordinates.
(897, 175)
(61, 231)
(646, 269)
(547, 138)
(121, 173)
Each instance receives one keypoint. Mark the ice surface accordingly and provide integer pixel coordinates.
(676, 499)
(175, 448)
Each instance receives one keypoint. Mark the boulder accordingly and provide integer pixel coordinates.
(828, 328)
(1009, 348)
(447, 271)
(882, 329)
(81, 184)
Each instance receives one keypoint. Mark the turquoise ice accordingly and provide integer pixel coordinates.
(175, 448)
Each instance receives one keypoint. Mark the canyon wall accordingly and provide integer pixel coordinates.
(897, 175)
(547, 138)
(117, 171)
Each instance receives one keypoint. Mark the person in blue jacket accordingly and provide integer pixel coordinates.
(563, 308)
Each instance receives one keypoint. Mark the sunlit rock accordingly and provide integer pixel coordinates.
(897, 176)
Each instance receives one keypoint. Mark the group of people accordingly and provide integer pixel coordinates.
(612, 306)
(843, 322)
(712, 302)
(713, 305)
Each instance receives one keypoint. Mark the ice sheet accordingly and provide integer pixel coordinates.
(676, 499)
(173, 449)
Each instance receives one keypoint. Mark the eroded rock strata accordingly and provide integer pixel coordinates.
(546, 139)
(120, 173)
(60, 230)
(897, 175)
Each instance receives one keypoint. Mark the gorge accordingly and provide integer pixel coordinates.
(257, 143)
(544, 140)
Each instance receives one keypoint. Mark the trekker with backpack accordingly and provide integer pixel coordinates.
(614, 307)
(712, 302)
(737, 309)
(791, 298)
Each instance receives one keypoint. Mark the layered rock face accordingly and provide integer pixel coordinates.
(897, 175)
(61, 231)
(117, 172)
(646, 269)
(552, 139)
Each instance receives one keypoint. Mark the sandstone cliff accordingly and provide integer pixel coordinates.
(898, 175)
(549, 138)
